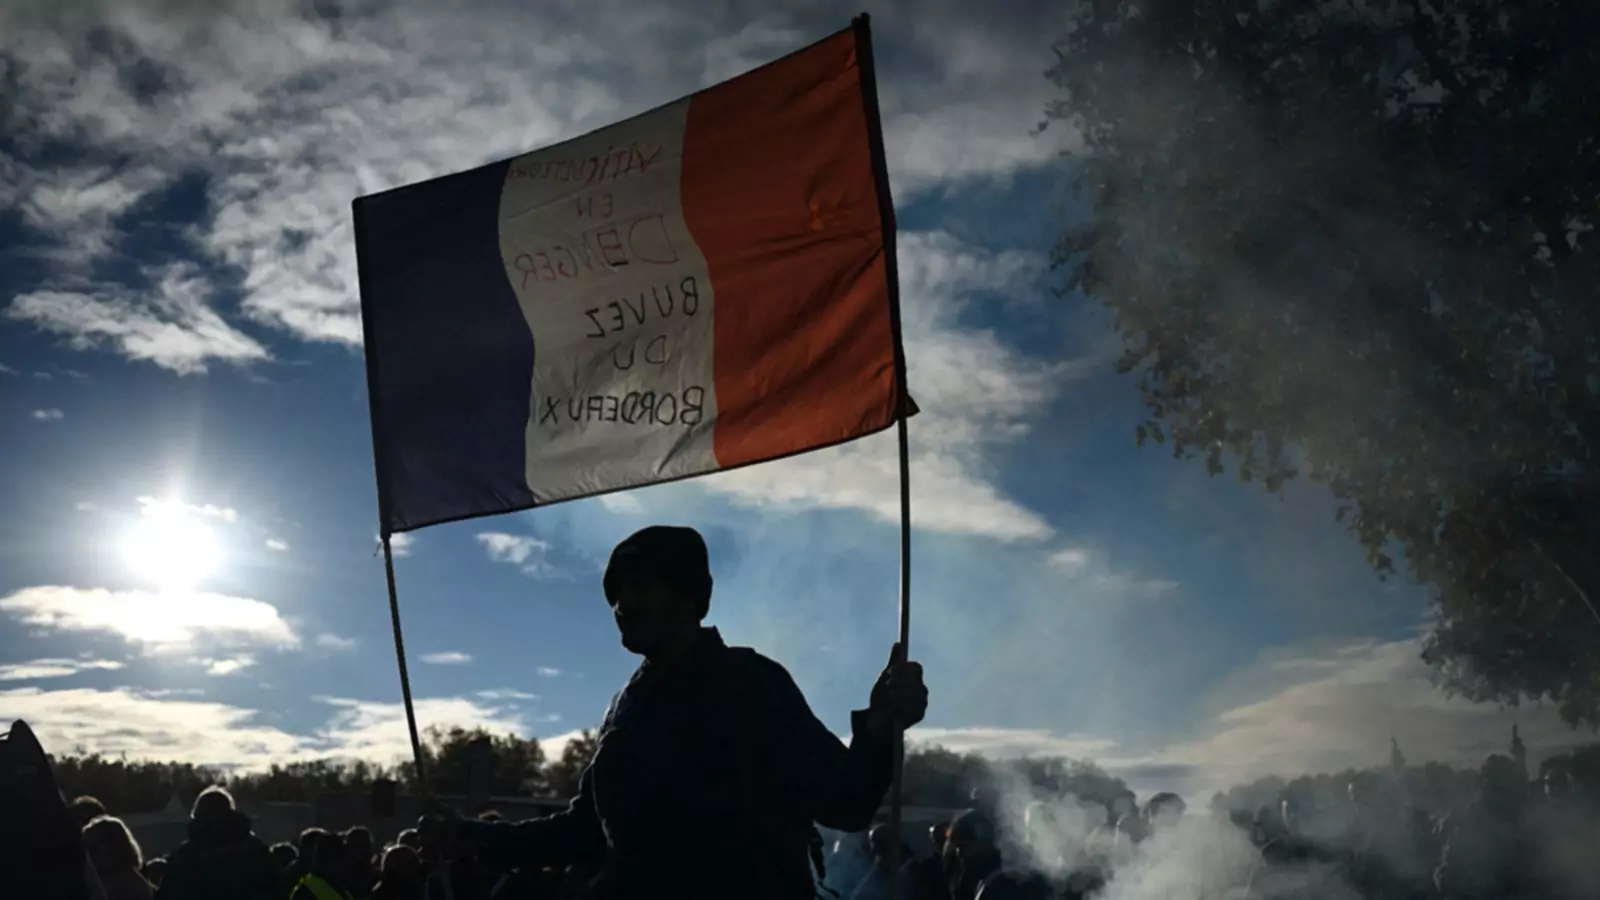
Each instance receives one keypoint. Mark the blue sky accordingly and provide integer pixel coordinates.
(180, 363)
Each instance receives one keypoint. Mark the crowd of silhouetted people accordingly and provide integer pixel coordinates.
(1515, 837)
(1512, 838)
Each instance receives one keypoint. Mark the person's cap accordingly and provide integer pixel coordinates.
(671, 555)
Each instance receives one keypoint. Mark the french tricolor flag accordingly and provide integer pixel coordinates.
(705, 286)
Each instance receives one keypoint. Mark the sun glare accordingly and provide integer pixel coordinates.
(170, 548)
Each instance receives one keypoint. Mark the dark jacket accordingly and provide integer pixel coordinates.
(714, 765)
(125, 884)
(221, 858)
(925, 879)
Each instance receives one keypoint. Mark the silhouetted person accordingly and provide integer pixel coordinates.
(363, 870)
(284, 856)
(116, 859)
(409, 838)
(1484, 856)
(875, 884)
(400, 876)
(924, 877)
(1564, 833)
(847, 864)
(971, 853)
(86, 809)
(155, 870)
(1164, 811)
(709, 753)
(41, 845)
(305, 857)
(329, 878)
(221, 858)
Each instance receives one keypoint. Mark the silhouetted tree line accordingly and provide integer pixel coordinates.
(934, 776)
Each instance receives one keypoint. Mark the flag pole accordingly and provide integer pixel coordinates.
(358, 221)
(904, 405)
(896, 785)
(405, 676)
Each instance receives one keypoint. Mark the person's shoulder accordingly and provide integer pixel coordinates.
(752, 663)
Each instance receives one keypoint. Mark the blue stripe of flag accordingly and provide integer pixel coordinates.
(450, 356)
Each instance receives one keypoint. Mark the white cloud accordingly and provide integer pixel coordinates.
(622, 504)
(447, 658)
(505, 694)
(290, 115)
(53, 668)
(154, 507)
(48, 415)
(548, 672)
(153, 725)
(555, 744)
(159, 621)
(402, 544)
(84, 506)
(975, 391)
(170, 323)
(377, 731)
(122, 720)
(334, 642)
(511, 548)
(277, 545)
(529, 553)
(1322, 708)
(227, 665)
(1082, 569)
(7, 370)
(1007, 743)
(1070, 559)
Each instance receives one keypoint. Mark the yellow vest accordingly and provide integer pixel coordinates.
(321, 889)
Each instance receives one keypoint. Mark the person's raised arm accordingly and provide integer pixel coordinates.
(842, 786)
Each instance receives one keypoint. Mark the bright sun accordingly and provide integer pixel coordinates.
(170, 548)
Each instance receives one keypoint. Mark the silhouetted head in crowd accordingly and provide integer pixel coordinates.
(1266, 826)
(359, 840)
(111, 846)
(1121, 806)
(407, 838)
(986, 800)
(1555, 778)
(972, 851)
(1164, 810)
(1504, 786)
(936, 836)
(1373, 794)
(880, 840)
(155, 870)
(401, 865)
(658, 584)
(285, 855)
(332, 859)
(213, 804)
(86, 809)
(1286, 814)
(310, 839)
(489, 815)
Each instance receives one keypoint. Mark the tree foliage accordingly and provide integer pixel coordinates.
(516, 765)
(1353, 240)
(563, 774)
(934, 777)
